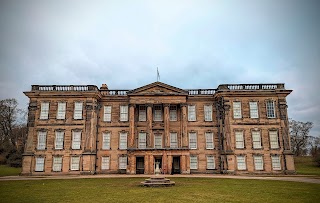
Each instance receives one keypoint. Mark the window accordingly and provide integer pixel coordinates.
(142, 140)
(106, 140)
(42, 138)
(173, 140)
(192, 113)
(210, 162)
(239, 140)
(57, 163)
(157, 141)
(59, 140)
(75, 160)
(270, 109)
(123, 113)
(192, 140)
(274, 144)
(61, 113)
(123, 140)
(157, 113)
(76, 139)
(107, 113)
(39, 164)
(123, 162)
(142, 113)
(173, 113)
(193, 162)
(77, 110)
(276, 165)
(105, 163)
(241, 161)
(237, 109)
(209, 140)
(208, 113)
(258, 162)
(253, 109)
(256, 140)
(44, 112)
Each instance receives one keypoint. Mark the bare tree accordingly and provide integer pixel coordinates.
(299, 132)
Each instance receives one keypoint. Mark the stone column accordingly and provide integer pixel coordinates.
(149, 126)
(184, 123)
(166, 125)
(131, 125)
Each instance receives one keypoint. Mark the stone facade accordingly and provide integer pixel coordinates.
(89, 130)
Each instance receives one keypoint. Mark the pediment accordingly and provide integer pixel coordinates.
(157, 88)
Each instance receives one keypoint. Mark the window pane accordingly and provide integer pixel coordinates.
(76, 139)
(123, 162)
(237, 110)
(59, 140)
(253, 109)
(106, 141)
(173, 113)
(274, 144)
(157, 141)
(270, 109)
(241, 163)
(142, 140)
(208, 113)
(193, 162)
(276, 165)
(192, 140)
(142, 113)
(42, 137)
(123, 141)
(57, 163)
(44, 110)
(123, 113)
(75, 160)
(173, 140)
(210, 162)
(39, 164)
(256, 139)
(209, 140)
(158, 113)
(77, 110)
(105, 163)
(258, 162)
(107, 113)
(61, 114)
(239, 139)
(191, 113)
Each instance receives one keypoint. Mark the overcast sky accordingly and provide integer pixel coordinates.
(195, 44)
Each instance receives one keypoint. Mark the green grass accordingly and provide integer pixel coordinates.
(9, 171)
(306, 166)
(186, 190)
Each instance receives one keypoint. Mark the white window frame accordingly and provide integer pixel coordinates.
(123, 140)
(75, 163)
(193, 162)
(77, 114)
(174, 140)
(276, 162)
(256, 139)
(237, 109)
(142, 142)
(107, 113)
(192, 114)
(106, 136)
(211, 162)
(209, 140)
(59, 139)
(274, 139)
(271, 110)
(39, 164)
(124, 113)
(42, 140)
(105, 163)
(44, 111)
(239, 137)
(254, 110)
(122, 162)
(157, 110)
(258, 162)
(193, 144)
(142, 113)
(241, 163)
(207, 112)
(57, 164)
(76, 139)
(61, 111)
(173, 113)
(158, 142)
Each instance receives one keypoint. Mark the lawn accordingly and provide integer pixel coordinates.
(9, 171)
(306, 166)
(186, 190)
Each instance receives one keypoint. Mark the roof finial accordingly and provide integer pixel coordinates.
(158, 75)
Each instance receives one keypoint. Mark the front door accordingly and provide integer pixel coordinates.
(139, 165)
(176, 165)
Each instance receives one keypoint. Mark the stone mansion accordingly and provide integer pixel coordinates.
(83, 129)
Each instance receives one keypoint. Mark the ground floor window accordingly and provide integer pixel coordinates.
(75, 162)
(210, 162)
(241, 163)
(123, 162)
(57, 163)
(276, 165)
(39, 164)
(105, 163)
(258, 162)
(193, 162)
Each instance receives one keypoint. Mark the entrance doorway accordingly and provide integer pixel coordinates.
(158, 159)
(139, 165)
(176, 165)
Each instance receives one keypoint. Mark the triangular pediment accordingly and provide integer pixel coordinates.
(158, 88)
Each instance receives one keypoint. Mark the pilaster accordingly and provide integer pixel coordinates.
(131, 125)
(166, 125)
(184, 125)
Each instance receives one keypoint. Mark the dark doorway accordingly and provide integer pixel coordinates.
(176, 165)
(139, 165)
